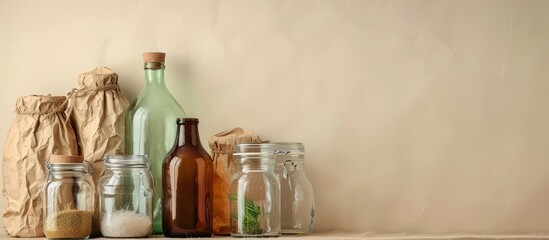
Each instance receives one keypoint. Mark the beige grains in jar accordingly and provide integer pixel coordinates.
(69, 223)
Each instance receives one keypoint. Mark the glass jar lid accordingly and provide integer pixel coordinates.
(254, 154)
(68, 163)
(127, 161)
(249, 149)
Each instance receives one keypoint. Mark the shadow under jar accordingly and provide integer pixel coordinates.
(255, 192)
(187, 183)
(126, 197)
(68, 205)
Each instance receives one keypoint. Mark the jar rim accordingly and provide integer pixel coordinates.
(127, 161)
(254, 149)
(78, 167)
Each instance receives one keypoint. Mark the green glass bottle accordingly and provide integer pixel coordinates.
(150, 125)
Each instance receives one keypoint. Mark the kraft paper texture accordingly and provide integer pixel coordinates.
(222, 145)
(97, 111)
(40, 128)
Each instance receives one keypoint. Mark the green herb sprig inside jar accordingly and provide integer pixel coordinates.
(255, 192)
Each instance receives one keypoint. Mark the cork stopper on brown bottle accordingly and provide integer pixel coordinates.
(66, 159)
(154, 57)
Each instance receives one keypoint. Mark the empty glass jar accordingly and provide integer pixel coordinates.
(69, 198)
(126, 196)
(296, 192)
(255, 192)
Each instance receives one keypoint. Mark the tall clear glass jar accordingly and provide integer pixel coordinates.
(255, 192)
(296, 191)
(69, 198)
(150, 124)
(126, 194)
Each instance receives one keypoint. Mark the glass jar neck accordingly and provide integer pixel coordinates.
(128, 168)
(245, 168)
(255, 164)
(67, 173)
(154, 73)
(187, 133)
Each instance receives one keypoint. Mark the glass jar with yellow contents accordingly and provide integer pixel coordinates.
(69, 198)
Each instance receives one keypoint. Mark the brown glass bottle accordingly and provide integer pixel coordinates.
(187, 182)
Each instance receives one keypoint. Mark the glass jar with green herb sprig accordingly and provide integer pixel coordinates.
(255, 192)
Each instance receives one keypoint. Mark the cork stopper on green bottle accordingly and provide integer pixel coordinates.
(154, 57)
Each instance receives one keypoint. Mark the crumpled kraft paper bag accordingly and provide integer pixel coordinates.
(98, 111)
(222, 145)
(40, 129)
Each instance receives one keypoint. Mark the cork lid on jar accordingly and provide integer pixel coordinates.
(154, 57)
(66, 159)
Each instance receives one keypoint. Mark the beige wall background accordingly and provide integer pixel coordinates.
(417, 116)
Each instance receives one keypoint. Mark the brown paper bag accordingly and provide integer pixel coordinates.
(97, 111)
(40, 129)
(222, 145)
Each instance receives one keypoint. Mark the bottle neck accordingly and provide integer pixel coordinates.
(187, 133)
(154, 74)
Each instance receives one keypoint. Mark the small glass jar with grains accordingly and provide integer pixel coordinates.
(126, 197)
(69, 198)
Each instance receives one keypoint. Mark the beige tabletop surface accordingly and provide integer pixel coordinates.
(374, 236)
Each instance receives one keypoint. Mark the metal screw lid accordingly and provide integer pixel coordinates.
(127, 161)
